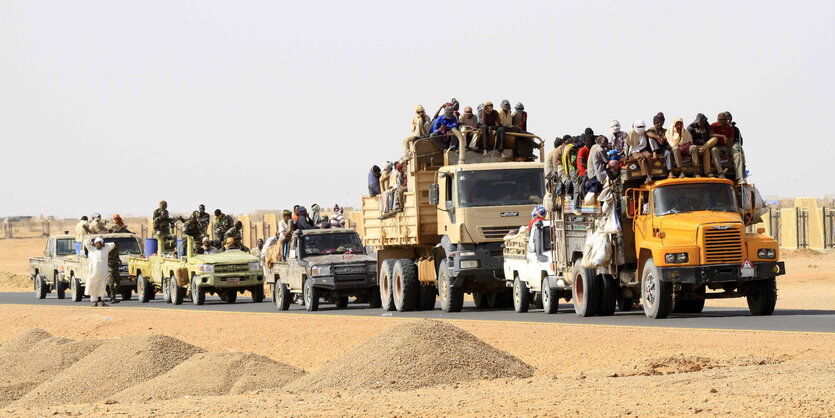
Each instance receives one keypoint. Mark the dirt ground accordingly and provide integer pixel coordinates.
(578, 370)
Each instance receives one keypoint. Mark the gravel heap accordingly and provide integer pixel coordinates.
(211, 374)
(112, 367)
(686, 364)
(411, 355)
(31, 360)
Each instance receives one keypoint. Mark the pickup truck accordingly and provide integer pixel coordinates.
(529, 267)
(194, 275)
(325, 263)
(76, 268)
(46, 272)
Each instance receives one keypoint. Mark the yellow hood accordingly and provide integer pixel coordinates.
(685, 226)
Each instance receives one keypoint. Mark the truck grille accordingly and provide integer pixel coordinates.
(231, 268)
(722, 245)
(494, 232)
(349, 269)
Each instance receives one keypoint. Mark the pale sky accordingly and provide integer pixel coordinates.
(110, 106)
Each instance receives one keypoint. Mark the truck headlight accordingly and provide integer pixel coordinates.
(255, 266)
(469, 264)
(321, 270)
(205, 268)
(767, 253)
(676, 258)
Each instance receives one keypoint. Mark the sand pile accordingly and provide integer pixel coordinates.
(30, 359)
(112, 367)
(801, 253)
(15, 281)
(415, 354)
(209, 374)
(686, 364)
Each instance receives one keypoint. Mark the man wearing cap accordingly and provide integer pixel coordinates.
(97, 256)
(191, 227)
(118, 226)
(488, 120)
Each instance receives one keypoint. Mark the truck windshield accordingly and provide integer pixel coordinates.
(500, 187)
(324, 244)
(126, 245)
(64, 246)
(694, 197)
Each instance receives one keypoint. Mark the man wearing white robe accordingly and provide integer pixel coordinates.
(97, 252)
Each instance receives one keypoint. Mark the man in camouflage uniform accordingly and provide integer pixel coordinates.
(203, 219)
(236, 233)
(222, 224)
(162, 230)
(163, 205)
(192, 228)
(113, 264)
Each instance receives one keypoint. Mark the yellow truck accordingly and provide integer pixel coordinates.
(438, 229)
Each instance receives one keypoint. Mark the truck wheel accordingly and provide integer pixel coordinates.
(177, 293)
(585, 290)
(656, 295)
(427, 298)
(550, 301)
(198, 295)
(763, 301)
(480, 300)
(311, 296)
(257, 293)
(452, 298)
(341, 302)
(142, 291)
(166, 290)
(405, 285)
(231, 295)
(77, 290)
(374, 301)
(60, 287)
(386, 297)
(521, 296)
(41, 289)
(608, 295)
(282, 296)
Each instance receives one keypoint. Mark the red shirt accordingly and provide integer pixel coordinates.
(582, 155)
(727, 130)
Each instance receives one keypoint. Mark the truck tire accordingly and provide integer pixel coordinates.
(77, 289)
(550, 301)
(311, 296)
(126, 293)
(143, 289)
(585, 290)
(282, 296)
(257, 293)
(60, 287)
(231, 296)
(386, 296)
(341, 302)
(452, 298)
(480, 300)
(608, 295)
(521, 296)
(405, 285)
(198, 295)
(763, 301)
(177, 293)
(656, 294)
(166, 290)
(374, 301)
(41, 289)
(426, 300)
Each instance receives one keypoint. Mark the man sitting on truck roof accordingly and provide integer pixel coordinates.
(658, 141)
(488, 120)
(736, 151)
(700, 133)
(468, 123)
(118, 225)
(680, 141)
(443, 127)
(638, 147)
(96, 225)
(724, 133)
(420, 123)
(617, 138)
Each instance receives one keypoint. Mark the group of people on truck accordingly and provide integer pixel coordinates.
(277, 246)
(580, 165)
(450, 129)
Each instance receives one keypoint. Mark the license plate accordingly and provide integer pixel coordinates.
(233, 281)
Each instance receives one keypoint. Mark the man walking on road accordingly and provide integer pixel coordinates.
(97, 256)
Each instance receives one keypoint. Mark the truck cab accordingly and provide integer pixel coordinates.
(46, 271)
(329, 264)
(76, 268)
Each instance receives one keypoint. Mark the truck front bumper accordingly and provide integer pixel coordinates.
(720, 273)
(227, 280)
(345, 282)
(483, 264)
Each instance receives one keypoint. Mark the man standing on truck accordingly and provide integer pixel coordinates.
(162, 229)
(97, 255)
(81, 229)
(203, 219)
(222, 224)
(119, 226)
(163, 205)
(113, 264)
(191, 227)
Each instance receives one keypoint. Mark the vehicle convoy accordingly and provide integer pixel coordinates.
(76, 268)
(440, 232)
(329, 264)
(46, 272)
(184, 274)
(672, 243)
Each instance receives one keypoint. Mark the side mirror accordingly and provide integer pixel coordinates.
(434, 194)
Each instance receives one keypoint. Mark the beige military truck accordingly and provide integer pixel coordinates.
(76, 268)
(439, 230)
(324, 264)
(47, 272)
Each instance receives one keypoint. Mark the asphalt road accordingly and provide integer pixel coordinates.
(711, 318)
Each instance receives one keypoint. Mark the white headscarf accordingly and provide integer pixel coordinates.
(614, 127)
(643, 127)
